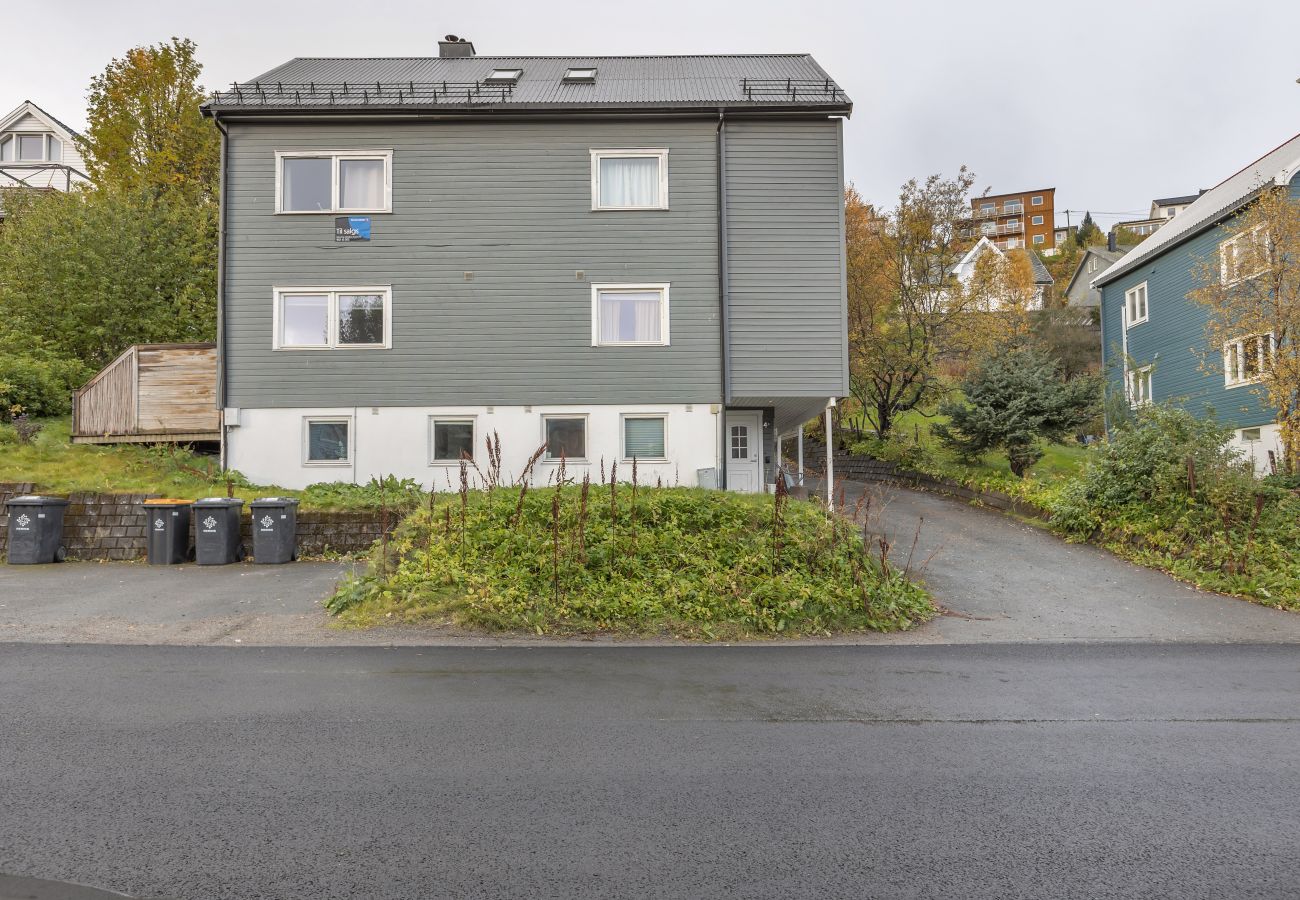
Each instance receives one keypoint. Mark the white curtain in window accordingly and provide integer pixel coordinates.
(304, 320)
(629, 181)
(361, 183)
(630, 317)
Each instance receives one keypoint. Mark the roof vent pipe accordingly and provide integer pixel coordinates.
(452, 46)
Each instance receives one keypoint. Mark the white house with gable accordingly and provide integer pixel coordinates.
(38, 151)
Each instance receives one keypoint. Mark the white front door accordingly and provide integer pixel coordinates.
(744, 452)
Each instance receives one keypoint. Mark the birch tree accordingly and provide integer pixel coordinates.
(1251, 289)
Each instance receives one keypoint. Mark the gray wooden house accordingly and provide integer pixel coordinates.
(618, 257)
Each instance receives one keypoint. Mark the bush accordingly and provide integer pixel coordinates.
(37, 385)
(397, 494)
(586, 558)
(1167, 491)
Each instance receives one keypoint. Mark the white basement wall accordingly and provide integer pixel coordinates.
(268, 445)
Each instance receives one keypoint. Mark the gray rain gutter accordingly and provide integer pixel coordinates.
(221, 286)
(724, 296)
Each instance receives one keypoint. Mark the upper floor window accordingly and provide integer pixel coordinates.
(1243, 256)
(355, 181)
(629, 315)
(1036, 200)
(1247, 359)
(1037, 220)
(1135, 305)
(1139, 386)
(332, 319)
(20, 147)
(629, 179)
(1040, 239)
(1012, 207)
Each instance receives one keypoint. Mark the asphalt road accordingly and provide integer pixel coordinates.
(1032, 770)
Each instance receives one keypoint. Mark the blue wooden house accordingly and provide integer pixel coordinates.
(1154, 343)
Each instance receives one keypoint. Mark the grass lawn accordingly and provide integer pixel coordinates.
(914, 446)
(58, 466)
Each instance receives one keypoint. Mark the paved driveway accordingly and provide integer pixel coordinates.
(1000, 580)
(1004, 580)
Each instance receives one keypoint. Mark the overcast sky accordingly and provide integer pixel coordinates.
(1113, 103)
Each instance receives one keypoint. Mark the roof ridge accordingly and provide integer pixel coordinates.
(571, 56)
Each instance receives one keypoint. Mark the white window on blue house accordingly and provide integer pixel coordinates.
(1243, 256)
(1246, 360)
(1139, 386)
(1135, 305)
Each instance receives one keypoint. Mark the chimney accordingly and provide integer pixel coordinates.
(452, 46)
(1112, 241)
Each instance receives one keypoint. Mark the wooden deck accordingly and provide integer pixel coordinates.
(152, 393)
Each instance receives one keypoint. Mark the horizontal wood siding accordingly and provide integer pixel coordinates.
(106, 405)
(177, 390)
(1187, 370)
(510, 203)
(785, 246)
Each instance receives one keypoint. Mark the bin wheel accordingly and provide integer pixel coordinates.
(293, 557)
(240, 553)
(60, 553)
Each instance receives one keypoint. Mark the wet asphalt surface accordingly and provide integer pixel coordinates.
(1074, 727)
(1029, 770)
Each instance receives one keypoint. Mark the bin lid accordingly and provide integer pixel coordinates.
(275, 501)
(218, 501)
(167, 501)
(36, 500)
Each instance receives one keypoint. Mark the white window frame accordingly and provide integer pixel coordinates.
(571, 76)
(597, 155)
(334, 156)
(1036, 220)
(586, 438)
(11, 137)
(506, 75)
(1133, 382)
(458, 419)
(307, 422)
(332, 310)
(597, 289)
(1267, 346)
(1013, 208)
(1129, 319)
(1036, 201)
(1252, 234)
(1040, 239)
(1092, 264)
(622, 437)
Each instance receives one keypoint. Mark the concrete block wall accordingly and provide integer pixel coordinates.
(114, 526)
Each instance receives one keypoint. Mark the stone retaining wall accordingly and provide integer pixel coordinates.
(114, 526)
(867, 468)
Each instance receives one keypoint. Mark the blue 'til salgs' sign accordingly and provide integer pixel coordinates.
(351, 228)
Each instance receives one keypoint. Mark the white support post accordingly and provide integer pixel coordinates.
(830, 461)
(800, 456)
(780, 460)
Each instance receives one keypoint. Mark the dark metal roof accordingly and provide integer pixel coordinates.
(1041, 275)
(786, 81)
(1176, 201)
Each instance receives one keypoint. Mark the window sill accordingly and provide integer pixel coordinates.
(644, 460)
(332, 212)
(318, 349)
(1137, 323)
(632, 344)
(1229, 385)
(330, 464)
(629, 209)
(449, 463)
(568, 462)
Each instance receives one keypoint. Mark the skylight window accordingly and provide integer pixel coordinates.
(580, 75)
(504, 76)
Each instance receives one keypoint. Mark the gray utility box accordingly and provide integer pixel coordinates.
(275, 529)
(216, 531)
(36, 530)
(168, 524)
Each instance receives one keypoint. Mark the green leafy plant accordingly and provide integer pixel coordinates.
(702, 564)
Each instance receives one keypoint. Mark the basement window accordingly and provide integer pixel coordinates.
(580, 75)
